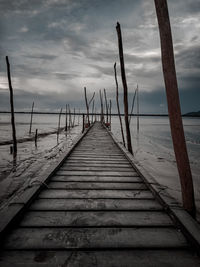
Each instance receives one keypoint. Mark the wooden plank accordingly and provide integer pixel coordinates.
(97, 159)
(96, 185)
(96, 163)
(93, 238)
(98, 173)
(114, 258)
(96, 169)
(96, 204)
(96, 218)
(67, 193)
(70, 178)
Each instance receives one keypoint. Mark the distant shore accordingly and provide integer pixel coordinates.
(191, 114)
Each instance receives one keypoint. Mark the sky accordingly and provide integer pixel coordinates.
(58, 47)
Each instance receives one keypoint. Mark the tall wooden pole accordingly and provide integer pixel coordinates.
(31, 118)
(92, 110)
(87, 106)
(110, 112)
(58, 131)
(132, 107)
(66, 119)
(123, 75)
(12, 109)
(83, 124)
(78, 116)
(174, 109)
(74, 117)
(101, 101)
(138, 109)
(106, 104)
(118, 108)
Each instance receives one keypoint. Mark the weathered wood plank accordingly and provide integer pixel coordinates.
(96, 204)
(91, 238)
(95, 218)
(96, 169)
(74, 178)
(67, 193)
(115, 258)
(98, 173)
(96, 185)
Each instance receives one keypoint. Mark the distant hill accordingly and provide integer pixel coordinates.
(193, 114)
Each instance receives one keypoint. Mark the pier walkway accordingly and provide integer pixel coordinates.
(96, 210)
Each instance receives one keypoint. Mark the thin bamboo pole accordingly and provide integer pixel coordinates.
(31, 118)
(106, 104)
(123, 75)
(118, 108)
(174, 109)
(12, 109)
(58, 131)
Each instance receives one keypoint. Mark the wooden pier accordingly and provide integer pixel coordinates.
(96, 209)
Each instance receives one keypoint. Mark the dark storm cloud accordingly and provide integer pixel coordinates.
(41, 56)
(73, 43)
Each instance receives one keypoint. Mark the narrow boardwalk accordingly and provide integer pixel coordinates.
(96, 211)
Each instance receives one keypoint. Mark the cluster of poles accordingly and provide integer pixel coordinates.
(169, 73)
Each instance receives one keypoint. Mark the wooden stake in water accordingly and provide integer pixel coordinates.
(101, 102)
(31, 118)
(87, 106)
(92, 110)
(74, 117)
(78, 116)
(36, 136)
(118, 108)
(174, 109)
(132, 107)
(110, 112)
(106, 104)
(58, 131)
(66, 119)
(12, 109)
(123, 75)
(83, 124)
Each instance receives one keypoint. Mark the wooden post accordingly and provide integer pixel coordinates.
(132, 107)
(101, 106)
(137, 109)
(59, 124)
(66, 119)
(92, 110)
(123, 75)
(87, 106)
(95, 114)
(12, 109)
(78, 116)
(36, 136)
(174, 109)
(106, 104)
(83, 124)
(31, 118)
(110, 112)
(74, 117)
(70, 117)
(118, 108)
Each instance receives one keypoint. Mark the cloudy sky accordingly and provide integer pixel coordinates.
(56, 47)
